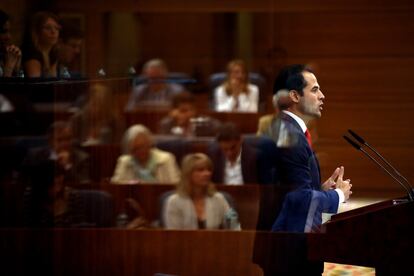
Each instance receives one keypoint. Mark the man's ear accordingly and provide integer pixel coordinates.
(294, 96)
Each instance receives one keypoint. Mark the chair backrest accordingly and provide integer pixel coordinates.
(217, 79)
(95, 208)
(162, 200)
(177, 146)
(172, 77)
(268, 151)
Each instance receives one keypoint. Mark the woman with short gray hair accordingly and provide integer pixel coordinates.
(142, 162)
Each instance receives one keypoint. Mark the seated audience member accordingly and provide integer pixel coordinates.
(142, 162)
(70, 46)
(235, 162)
(154, 91)
(61, 149)
(10, 54)
(196, 204)
(183, 119)
(47, 197)
(280, 101)
(40, 55)
(236, 94)
(94, 124)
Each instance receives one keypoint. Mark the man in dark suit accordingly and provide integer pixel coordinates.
(304, 197)
(235, 161)
(61, 150)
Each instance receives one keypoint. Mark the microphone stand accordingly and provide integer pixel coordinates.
(409, 190)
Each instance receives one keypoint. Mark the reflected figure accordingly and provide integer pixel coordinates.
(93, 124)
(61, 149)
(196, 204)
(142, 162)
(47, 197)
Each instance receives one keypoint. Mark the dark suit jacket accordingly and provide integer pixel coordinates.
(249, 163)
(294, 203)
(77, 174)
(298, 169)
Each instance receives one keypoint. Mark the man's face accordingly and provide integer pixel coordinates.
(230, 149)
(184, 112)
(155, 73)
(71, 49)
(310, 104)
(62, 139)
(5, 37)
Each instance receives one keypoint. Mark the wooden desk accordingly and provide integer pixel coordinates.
(378, 235)
(246, 199)
(247, 122)
(126, 252)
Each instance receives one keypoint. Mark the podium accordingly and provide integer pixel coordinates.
(378, 235)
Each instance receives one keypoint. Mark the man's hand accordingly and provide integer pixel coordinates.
(330, 183)
(335, 181)
(344, 185)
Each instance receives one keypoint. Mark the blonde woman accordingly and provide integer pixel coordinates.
(142, 162)
(236, 94)
(41, 54)
(196, 204)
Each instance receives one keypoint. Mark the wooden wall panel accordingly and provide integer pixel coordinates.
(364, 174)
(230, 6)
(340, 34)
(361, 51)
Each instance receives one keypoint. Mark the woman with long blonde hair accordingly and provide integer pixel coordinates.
(196, 204)
(236, 94)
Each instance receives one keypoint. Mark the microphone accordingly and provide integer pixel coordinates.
(362, 141)
(408, 189)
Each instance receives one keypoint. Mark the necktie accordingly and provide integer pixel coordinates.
(308, 137)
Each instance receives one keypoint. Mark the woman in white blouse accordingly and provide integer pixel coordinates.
(196, 204)
(236, 94)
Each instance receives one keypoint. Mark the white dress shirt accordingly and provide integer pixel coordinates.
(233, 172)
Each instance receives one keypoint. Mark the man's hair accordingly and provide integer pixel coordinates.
(228, 132)
(70, 31)
(183, 98)
(156, 62)
(291, 78)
